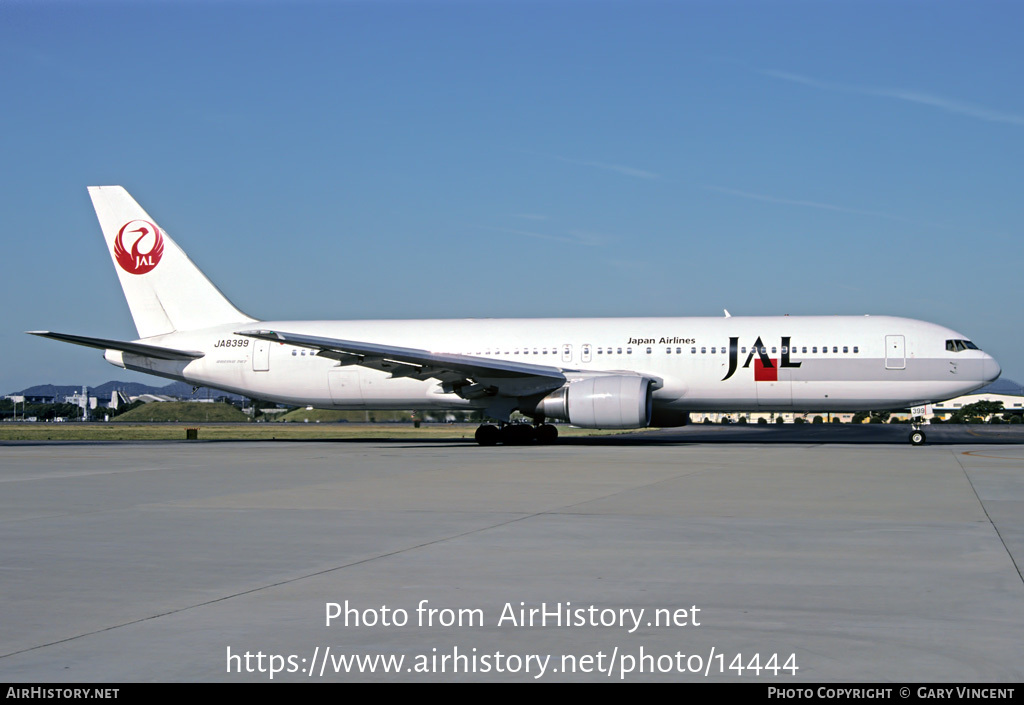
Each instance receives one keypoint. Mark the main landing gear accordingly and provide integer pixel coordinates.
(516, 434)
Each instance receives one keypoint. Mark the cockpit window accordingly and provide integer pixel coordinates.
(960, 345)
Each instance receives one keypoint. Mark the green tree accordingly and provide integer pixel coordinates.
(983, 408)
(976, 412)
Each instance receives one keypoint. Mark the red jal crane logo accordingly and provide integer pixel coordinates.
(140, 259)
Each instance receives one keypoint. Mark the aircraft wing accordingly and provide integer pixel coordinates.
(156, 351)
(466, 375)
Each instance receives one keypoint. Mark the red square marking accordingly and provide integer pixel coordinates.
(766, 374)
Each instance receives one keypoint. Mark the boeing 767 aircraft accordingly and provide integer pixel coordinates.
(617, 373)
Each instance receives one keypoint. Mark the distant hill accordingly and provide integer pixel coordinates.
(184, 412)
(304, 415)
(180, 390)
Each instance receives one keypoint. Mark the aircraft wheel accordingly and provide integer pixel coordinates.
(547, 433)
(517, 434)
(917, 438)
(488, 435)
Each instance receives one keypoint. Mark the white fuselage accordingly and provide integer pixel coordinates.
(796, 363)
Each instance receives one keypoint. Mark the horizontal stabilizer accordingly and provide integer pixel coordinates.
(155, 351)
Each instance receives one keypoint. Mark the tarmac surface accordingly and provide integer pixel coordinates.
(710, 553)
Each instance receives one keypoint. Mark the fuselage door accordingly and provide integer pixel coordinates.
(346, 390)
(895, 352)
(566, 353)
(775, 388)
(585, 352)
(261, 356)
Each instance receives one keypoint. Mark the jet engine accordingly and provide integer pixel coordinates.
(607, 401)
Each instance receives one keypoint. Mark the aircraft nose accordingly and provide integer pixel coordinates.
(992, 370)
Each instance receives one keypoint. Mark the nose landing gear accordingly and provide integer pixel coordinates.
(917, 436)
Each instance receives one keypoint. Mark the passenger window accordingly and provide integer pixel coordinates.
(693, 351)
(856, 349)
(714, 350)
(835, 349)
(703, 350)
(845, 349)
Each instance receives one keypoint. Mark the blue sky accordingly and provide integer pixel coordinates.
(491, 159)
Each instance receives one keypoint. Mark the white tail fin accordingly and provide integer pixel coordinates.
(166, 292)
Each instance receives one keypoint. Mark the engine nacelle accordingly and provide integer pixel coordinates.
(608, 401)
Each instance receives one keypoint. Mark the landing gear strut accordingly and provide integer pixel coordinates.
(516, 434)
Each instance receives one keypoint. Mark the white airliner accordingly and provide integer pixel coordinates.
(614, 373)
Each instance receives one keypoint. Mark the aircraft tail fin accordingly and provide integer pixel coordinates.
(166, 291)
